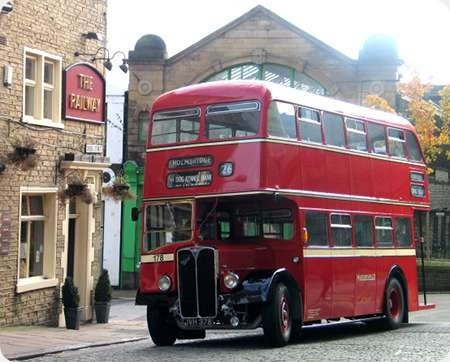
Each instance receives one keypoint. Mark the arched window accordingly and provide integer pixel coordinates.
(270, 72)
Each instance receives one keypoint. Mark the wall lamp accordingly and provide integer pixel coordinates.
(107, 59)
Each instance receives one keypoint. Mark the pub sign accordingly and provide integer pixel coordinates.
(84, 96)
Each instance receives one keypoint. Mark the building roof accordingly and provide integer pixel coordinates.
(253, 12)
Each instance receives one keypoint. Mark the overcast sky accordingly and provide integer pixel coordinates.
(421, 28)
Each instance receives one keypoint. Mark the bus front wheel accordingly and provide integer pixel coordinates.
(161, 326)
(277, 316)
(394, 304)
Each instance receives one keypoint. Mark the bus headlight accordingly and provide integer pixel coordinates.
(231, 280)
(164, 283)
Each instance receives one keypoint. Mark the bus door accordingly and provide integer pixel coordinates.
(342, 260)
(317, 267)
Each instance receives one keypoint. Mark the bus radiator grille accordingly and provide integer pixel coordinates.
(197, 283)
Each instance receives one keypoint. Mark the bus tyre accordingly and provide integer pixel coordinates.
(161, 326)
(277, 316)
(394, 304)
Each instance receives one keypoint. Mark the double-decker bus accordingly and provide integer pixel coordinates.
(265, 206)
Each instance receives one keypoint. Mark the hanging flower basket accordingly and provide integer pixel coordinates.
(24, 155)
(76, 187)
(119, 190)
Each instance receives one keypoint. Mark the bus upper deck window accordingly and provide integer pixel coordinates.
(413, 146)
(333, 129)
(175, 126)
(397, 144)
(377, 138)
(310, 127)
(356, 134)
(282, 120)
(232, 120)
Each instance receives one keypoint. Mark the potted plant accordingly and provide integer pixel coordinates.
(102, 297)
(76, 187)
(71, 303)
(24, 155)
(119, 190)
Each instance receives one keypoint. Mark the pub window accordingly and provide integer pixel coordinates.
(356, 134)
(383, 231)
(333, 128)
(397, 144)
(341, 230)
(309, 122)
(377, 138)
(413, 146)
(282, 120)
(37, 239)
(403, 231)
(363, 226)
(143, 126)
(42, 88)
(316, 226)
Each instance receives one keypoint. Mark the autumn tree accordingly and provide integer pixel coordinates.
(432, 123)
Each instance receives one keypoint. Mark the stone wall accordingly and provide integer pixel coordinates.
(54, 27)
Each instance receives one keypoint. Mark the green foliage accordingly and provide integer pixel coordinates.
(70, 295)
(103, 288)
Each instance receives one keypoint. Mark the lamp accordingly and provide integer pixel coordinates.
(107, 59)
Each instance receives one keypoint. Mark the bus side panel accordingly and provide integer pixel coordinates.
(408, 266)
(343, 286)
(281, 166)
(365, 284)
(318, 288)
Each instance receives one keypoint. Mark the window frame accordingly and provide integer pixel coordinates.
(399, 140)
(341, 226)
(309, 121)
(50, 210)
(391, 228)
(294, 118)
(372, 230)
(253, 106)
(325, 215)
(355, 131)
(40, 87)
(342, 127)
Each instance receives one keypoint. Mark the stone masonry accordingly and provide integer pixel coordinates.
(54, 27)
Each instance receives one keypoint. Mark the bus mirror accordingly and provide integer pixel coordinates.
(134, 213)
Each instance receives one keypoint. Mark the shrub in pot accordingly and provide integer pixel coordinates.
(71, 303)
(102, 297)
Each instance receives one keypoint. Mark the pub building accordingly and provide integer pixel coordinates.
(52, 126)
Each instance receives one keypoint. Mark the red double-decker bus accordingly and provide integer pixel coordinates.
(265, 206)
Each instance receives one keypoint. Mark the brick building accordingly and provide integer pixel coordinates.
(42, 238)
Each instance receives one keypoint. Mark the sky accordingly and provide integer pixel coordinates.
(421, 28)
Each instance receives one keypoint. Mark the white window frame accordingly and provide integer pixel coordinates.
(50, 208)
(39, 87)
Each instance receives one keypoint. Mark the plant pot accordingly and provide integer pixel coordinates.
(72, 317)
(102, 311)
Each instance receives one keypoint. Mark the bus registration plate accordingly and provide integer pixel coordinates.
(197, 322)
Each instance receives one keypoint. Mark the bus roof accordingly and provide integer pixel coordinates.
(231, 91)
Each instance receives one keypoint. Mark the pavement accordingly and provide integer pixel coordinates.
(127, 323)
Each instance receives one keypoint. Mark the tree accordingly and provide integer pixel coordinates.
(432, 122)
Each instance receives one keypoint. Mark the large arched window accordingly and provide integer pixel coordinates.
(271, 72)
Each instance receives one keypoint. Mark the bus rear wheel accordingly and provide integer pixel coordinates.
(394, 304)
(161, 326)
(277, 316)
